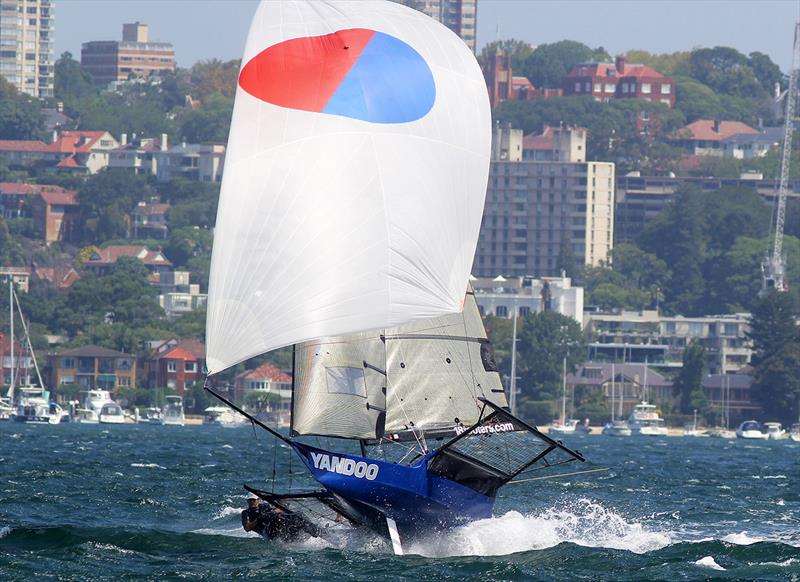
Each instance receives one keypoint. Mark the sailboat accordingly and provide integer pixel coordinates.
(32, 403)
(564, 425)
(349, 213)
(618, 428)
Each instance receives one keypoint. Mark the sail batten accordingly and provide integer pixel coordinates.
(349, 202)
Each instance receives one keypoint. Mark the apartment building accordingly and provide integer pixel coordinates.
(26, 45)
(503, 297)
(543, 195)
(647, 336)
(108, 61)
(460, 16)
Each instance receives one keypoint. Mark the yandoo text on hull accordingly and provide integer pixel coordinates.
(349, 214)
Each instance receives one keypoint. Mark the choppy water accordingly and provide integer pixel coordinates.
(88, 502)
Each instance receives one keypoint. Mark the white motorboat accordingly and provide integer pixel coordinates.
(7, 409)
(223, 416)
(86, 416)
(794, 432)
(618, 428)
(560, 427)
(111, 413)
(750, 429)
(645, 420)
(151, 416)
(173, 411)
(775, 431)
(34, 407)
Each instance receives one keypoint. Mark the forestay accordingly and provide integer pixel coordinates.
(424, 375)
(354, 179)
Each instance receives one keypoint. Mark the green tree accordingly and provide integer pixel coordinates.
(545, 339)
(71, 81)
(209, 124)
(768, 73)
(20, 115)
(677, 237)
(725, 70)
(776, 383)
(550, 63)
(773, 324)
(689, 382)
(517, 50)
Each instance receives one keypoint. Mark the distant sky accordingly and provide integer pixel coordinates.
(205, 29)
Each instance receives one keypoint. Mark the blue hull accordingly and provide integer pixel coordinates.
(416, 499)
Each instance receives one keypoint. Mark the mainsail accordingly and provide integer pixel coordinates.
(424, 375)
(354, 182)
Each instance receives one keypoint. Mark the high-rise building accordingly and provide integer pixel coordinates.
(135, 55)
(544, 200)
(26, 45)
(460, 16)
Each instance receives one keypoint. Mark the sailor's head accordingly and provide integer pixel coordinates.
(252, 500)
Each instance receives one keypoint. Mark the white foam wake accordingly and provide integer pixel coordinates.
(584, 522)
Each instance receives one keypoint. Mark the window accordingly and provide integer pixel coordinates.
(67, 362)
(172, 366)
(588, 86)
(346, 381)
(695, 329)
(646, 88)
(666, 89)
(665, 102)
(624, 87)
(501, 311)
(577, 87)
(610, 88)
(190, 367)
(598, 87)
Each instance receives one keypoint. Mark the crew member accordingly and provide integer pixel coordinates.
(273, 523)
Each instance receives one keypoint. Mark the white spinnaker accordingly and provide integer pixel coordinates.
(329, 225)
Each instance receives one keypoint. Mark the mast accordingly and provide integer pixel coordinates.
(513, 386)
(612, 392)
(644, 392)
(11, 323)
(564, 397)
(30, 345)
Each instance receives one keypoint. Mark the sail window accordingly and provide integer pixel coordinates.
(346, 380)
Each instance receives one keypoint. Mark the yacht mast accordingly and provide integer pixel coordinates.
(512, 397)
(564, 397)
(11, 325)
(612, 392)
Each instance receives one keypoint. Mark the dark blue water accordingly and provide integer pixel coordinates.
(85, 502)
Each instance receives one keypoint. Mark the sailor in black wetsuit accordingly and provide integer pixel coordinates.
(272, 523)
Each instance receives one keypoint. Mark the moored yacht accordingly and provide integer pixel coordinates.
(645, 421)
(35, 407)
(558, 427)
(111, 413)
(223, 416)
(794, 432)
(151, 416)
(774, 431)
(750, 429)
(6, 409)
(618, 428)
(173, 411)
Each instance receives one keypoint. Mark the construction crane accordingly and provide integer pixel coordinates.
(774, 266)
